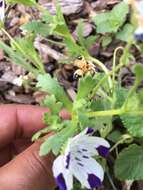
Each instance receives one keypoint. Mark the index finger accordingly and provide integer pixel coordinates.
(19, 121)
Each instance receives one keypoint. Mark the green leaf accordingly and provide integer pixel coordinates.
(52, 104)
(121, 94)
(17, 58)
(37, 135)
(114, 136)
(85, 86)
(106, 40)
(134, 124)
(129, 164)
(27, 47)
(46, 147)
(37, 27)
(55, 142)
(51, 85)
(24, 2)
(89, 41)
(126, 34)
(138, 70)
(113, 20)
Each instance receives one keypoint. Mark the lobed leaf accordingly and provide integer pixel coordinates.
(51, 85)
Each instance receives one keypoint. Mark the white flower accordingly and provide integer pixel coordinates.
(2, 8)
(77, 161)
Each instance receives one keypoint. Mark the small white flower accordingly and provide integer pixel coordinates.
(2, 9)
(77, 161)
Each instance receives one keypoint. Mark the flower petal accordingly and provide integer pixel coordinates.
(139, 34)
(90, 146)
(89, 173)
(64, 178)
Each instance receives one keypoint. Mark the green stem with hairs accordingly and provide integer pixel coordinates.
(114, 112)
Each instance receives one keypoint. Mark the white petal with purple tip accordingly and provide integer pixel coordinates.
(64, 178)
(88, 167)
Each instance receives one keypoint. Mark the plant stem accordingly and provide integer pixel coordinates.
(104, 68)
(111, 181)
(114, 112)
(105, 78)
(114, 65)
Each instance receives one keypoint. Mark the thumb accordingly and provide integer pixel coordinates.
(28, 171)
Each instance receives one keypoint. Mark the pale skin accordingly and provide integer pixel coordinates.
(21, 167)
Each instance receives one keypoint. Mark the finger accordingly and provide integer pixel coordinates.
(28, 171)
(21, 121)
(18, 121)
(64, 114)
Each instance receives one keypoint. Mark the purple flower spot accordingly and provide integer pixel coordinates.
(139, 37)
(89, 131)
(76, 158)
(85, 156)
(67, 161)
(84, 150)
(1, 3)
(61, 182)
(103, 151)
(94, 181)
(80, 164)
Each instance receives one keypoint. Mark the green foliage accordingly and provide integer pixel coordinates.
(114, 136)
(129, 165)
(18, 58)
(23, 52)
(37, 27)
(111, 21)
(138, 70)
(51, 85)
(27, 2)
(85, 86)
(106, 40)
(55, 142)
(134, 124)
(126, 34)
(52, 104)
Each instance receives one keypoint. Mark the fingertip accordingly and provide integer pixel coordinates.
(64, 114)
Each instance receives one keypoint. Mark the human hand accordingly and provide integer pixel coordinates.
(27, 171)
